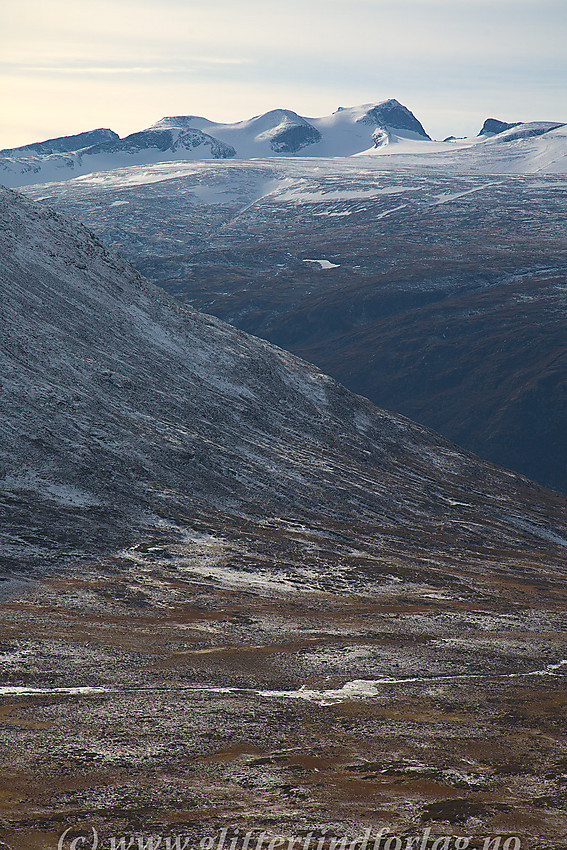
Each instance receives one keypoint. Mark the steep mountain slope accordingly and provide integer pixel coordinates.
(441, 297)
(274, 605)
(116, 399)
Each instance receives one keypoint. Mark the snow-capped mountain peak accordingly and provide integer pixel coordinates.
(391, 114)
(387, 128)
(279, 132)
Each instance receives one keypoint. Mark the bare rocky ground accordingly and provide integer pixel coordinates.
(226, 664)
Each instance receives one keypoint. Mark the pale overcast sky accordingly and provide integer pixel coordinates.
(73, 65)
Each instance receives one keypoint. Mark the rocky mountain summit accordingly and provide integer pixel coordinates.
(65, 144)
(525, 130)
(492, 126)
(283, 130)
(392, 115)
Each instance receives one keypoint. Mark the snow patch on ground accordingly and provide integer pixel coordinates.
(389, 212)
(453, 196)
(325, 264)
(543, 533)
(239, 578)
(23, 691)
(65, 494)
(304, 196)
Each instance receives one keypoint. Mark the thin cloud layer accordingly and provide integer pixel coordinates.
(68, 66)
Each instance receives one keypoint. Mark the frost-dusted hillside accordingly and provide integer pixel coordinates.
(436, 294)
(120, 405)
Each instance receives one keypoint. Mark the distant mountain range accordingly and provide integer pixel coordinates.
(369, 129)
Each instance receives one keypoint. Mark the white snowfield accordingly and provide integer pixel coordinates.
(500, 154)
(386, 132)
(323, 264)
